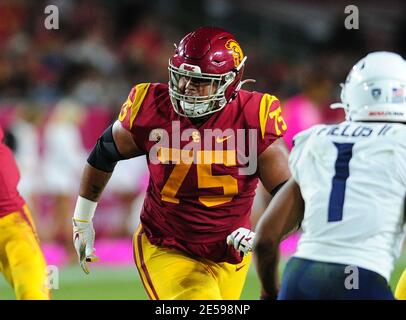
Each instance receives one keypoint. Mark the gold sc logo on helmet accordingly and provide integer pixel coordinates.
(237, 51)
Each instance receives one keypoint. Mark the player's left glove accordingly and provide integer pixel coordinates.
(83, 240)
(242, 239)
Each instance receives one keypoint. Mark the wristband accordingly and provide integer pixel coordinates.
(84, 210)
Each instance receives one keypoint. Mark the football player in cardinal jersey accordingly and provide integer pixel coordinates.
(207, 143)
(347, 191)
(21, 259)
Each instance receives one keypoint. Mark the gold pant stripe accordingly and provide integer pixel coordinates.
(400, 292)
(141, 266)
(21, 259)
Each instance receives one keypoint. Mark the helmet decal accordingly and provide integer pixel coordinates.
(237, 51)
(376, 93)
(397, 95)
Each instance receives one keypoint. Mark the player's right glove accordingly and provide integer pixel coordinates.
(242, 239)
(83, 240)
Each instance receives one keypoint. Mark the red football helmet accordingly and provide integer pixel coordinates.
(209, 55)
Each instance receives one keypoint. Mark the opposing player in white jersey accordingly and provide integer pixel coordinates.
(347, 192)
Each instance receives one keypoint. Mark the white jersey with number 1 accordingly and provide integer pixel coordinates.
(352, 177)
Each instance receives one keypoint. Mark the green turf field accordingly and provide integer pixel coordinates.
(123, 283)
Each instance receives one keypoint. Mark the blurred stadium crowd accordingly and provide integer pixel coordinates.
(60, 88)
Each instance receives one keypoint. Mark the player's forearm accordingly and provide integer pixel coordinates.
(103, 159)
(284, 214)
(93, 183)
(266, 261)
(266, 252)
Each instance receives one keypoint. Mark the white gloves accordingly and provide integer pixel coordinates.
(242, 239)
(83, 240)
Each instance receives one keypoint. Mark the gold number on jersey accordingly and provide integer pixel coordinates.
(134, 102)
(178, 173)
(124, 110)
(205, 177)
(279, 121)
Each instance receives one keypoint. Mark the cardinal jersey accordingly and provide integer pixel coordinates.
(352, 177)
(202, 177)
(21, 260)
(10, 199)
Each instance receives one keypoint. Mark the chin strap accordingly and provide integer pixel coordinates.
(244, 82)
(237, 88)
